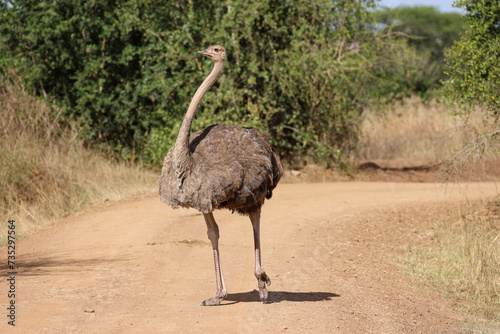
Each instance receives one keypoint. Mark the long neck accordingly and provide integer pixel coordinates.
(182, 142)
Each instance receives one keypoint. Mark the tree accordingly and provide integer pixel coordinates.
(430, 32)
(474, 80)
(473, 63)
(427, 28)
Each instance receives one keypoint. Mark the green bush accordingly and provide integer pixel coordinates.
(126, 70)
(473, 62)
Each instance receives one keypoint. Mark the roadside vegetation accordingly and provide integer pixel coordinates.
(301, 71)
(411, 129)
(46, 172)
(460, 256)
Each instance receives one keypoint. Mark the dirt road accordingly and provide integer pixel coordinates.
(140, 267)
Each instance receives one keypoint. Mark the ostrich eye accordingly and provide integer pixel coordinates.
(216, 50)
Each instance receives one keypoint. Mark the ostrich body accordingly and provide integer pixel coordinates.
(221, 167)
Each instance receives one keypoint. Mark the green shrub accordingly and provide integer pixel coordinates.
(126, 70)
(473, 62)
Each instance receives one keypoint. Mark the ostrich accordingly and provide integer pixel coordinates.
(221, 167)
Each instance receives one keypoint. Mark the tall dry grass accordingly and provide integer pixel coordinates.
(45, 170)
(412, 129)
(463, 259)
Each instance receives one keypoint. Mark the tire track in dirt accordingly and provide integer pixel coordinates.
(140, 267)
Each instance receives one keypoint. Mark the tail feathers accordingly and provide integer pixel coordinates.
(275, 177)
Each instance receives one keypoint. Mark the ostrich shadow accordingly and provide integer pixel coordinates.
(279, 296)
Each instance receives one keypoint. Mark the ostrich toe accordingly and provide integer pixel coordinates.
(219, 297)
(263, 279)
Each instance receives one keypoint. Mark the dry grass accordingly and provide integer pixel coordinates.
(462, 256)
(413, 133)
(412, 129)
(46, 173)
(463, 259)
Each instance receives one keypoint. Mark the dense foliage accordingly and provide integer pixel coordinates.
(473, 63)
(430, 32)
(126, 70)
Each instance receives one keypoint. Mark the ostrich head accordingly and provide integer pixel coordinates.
(216, 52)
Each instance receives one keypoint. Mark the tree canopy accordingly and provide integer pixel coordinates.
(473, 62)
(430, 31)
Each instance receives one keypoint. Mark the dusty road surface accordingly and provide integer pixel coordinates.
(141, 267)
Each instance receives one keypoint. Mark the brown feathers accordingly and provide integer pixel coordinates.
(230, 167)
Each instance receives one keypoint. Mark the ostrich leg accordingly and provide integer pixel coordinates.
(213, 235)
(260, 274)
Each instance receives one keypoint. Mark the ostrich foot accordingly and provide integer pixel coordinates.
(219, 296)
(263, 279)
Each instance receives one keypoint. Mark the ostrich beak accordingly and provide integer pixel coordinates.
(206, 53)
